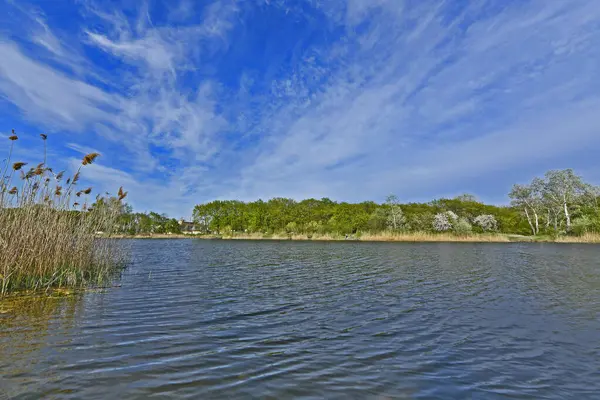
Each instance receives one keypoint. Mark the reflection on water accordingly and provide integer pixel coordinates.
(28, 325)
(213, 319)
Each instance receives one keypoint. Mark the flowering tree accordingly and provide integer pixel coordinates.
(486, 222)
(441, 222)
(452, 217)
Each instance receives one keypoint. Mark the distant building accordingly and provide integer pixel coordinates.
(188, 228)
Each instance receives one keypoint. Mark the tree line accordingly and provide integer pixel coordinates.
(559, 203)
(138, 223)
(324, 216)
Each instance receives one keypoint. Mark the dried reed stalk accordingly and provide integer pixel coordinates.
(46, 239)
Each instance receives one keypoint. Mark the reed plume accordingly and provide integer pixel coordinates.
(89, 158)
(121, 194)
(18, 165)
(44, 137)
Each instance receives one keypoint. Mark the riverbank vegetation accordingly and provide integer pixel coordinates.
(48, 227)
(557, 207)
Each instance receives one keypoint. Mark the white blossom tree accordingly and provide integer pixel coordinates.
(444, 221)
(486, 222)
(452, 217)
(441, 223)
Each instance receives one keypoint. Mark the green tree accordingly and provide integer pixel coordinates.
(172, 226)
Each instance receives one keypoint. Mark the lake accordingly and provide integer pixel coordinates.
(242, 319)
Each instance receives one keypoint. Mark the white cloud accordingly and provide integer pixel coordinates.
(44, 94)
(45, 38)
(434, 103)
(81, 149)
(156, 129)
(408, 97)
(151, 49)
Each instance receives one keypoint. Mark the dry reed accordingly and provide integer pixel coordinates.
(47, 240)
(588, 237)
(379, 237)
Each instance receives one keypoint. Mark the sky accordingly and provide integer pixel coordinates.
(192, 101)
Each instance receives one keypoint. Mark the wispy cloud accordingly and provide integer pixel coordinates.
(347, 99)
(81, 149)
(441, 95)
(49, 96)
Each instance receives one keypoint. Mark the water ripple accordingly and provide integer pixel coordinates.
(212, 319)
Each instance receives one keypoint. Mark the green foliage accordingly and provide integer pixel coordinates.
(554, 203)
(291, 228)
(131, 223)
(462, 227)
(324, 216)
(465, 214)
(585, 224)
(172, 226)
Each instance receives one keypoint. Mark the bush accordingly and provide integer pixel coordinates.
(585, 224)
(291, 228)
(462, 227)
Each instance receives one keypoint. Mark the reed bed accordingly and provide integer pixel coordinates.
(417, 237)
(48, 228)
(434, 237)
(589, 237)
(379, 237)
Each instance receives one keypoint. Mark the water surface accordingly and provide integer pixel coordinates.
(236, 319)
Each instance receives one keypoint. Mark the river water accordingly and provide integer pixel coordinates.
(240, 319)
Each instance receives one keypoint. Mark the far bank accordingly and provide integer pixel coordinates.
(382, 237)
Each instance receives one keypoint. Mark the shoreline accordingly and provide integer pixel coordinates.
(399, 238)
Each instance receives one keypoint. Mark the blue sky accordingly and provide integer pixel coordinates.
(191, 101)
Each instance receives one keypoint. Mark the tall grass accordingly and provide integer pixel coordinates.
(588, 237)
(48, 228)
(379, 237)
(435, 237)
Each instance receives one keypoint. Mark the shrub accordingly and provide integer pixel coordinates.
(291, 227)
(462, 227)
(585, 224)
